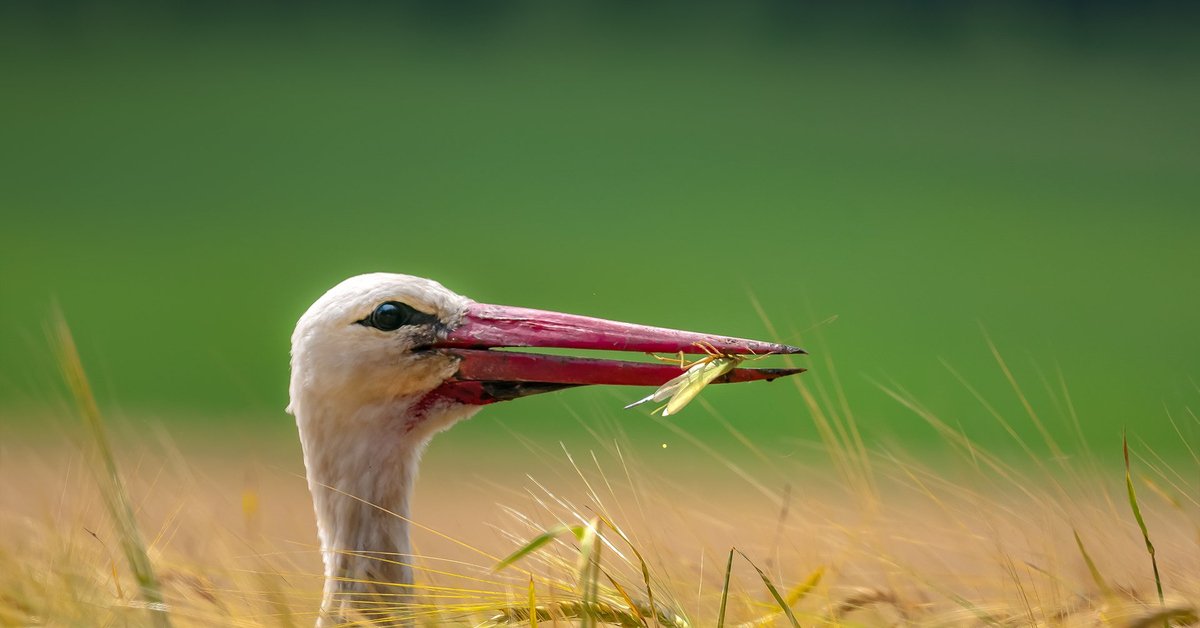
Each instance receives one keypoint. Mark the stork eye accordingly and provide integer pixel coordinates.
(392, 315)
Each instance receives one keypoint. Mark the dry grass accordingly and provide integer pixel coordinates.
(837, 535)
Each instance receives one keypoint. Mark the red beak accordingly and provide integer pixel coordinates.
(486, 376)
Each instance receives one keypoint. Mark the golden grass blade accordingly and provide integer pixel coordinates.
(117, 580)
(787, 610)
(642, 562)
(1103, 586)
(725, 590)
(794, 596)
(1137, 514)
(112, 563)
(589, 572)
(533, 617)
(804, 588)
(537, 542)
(1161, 492)
(628, 601)
(112, 488)
(1168, 617)
(604, 613)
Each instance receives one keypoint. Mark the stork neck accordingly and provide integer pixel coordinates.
(361, 465)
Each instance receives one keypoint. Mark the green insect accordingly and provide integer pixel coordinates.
(700, 373)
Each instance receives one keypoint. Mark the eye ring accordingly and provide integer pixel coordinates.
(393, 315)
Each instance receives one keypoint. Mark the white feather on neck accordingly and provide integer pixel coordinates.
(362, 466)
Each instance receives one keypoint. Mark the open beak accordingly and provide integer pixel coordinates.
(485, 376)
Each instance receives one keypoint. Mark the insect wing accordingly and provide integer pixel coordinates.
(665, 391)
(698, 377)
(639, 402)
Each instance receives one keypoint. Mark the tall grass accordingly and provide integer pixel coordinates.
(110, 486)
(865, 535)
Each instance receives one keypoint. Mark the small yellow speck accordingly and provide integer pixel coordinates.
(664, 445)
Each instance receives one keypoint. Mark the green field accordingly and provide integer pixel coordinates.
(183, 186)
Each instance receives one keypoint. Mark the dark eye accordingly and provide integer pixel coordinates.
(391, 316)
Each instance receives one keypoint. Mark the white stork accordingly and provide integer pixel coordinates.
(382, 362)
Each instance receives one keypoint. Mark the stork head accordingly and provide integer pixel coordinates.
(368, 342)
(385, 340)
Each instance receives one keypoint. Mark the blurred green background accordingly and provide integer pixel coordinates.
(183, 179)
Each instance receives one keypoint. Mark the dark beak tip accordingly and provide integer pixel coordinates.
(784, 373)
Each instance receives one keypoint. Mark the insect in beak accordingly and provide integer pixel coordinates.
(487, 375)
(697, 374)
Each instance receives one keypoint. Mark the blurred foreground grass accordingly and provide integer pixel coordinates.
(841, 535)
